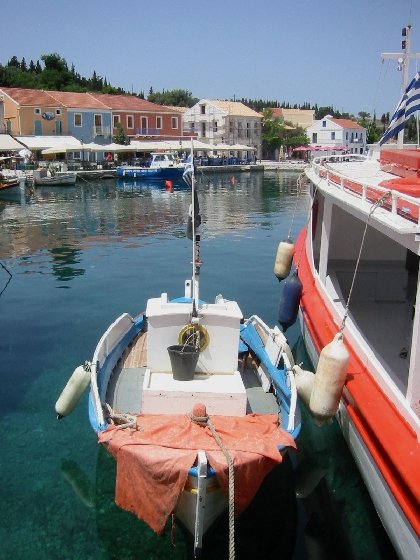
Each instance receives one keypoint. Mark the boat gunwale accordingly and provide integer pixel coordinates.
(331, 176)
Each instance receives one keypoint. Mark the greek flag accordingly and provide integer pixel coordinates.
(189, 171)
(409, 104)
(188, 177)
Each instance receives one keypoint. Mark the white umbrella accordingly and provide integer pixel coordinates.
(64, 148)
(92, 147)
(118, 148)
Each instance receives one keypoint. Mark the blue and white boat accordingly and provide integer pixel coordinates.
(162, 166)
(196, 404)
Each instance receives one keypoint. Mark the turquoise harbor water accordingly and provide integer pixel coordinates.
(80, 256)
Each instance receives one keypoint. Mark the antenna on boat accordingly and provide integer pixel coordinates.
(403, 59)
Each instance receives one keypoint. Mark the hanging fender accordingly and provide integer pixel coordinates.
(284, 257)
(289, 301)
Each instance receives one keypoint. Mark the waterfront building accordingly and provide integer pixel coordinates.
(224, 122)
(343, 134)
(297, 117)
(142, 119)
(89, 117)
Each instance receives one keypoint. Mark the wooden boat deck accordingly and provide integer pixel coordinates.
(125, 387)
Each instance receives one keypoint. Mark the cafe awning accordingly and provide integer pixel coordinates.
(44, 142)
(8, 143)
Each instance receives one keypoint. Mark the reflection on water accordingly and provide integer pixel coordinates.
(63, 259)
(86, 213)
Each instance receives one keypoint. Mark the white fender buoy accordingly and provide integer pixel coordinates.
(73, 390)
(283, 262)
(329, 379)
(304, 383)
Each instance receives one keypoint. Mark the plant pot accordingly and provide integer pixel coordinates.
(184, 359)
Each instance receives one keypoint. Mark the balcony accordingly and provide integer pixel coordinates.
(101, 131)
(145, 132)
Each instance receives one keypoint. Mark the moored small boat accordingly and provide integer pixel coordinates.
(45, 177)
(162, 166)
(196, 404)
(11, 188)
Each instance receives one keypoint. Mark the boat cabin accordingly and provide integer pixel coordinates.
(216, 379)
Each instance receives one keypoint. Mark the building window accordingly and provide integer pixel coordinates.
(332, 135)
(214, 126)
(314, 138)
(248, 130)
(116, 119)
(203, 129)
(130, 121)
(174, 122)
(347, 135)
(58, 111)
(203, 109)
(98, 120)
(77, 119)
(159, 123)
(37, 110)
(144, 125)
(324, 124)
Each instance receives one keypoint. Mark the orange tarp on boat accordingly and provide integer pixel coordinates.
(153, 462)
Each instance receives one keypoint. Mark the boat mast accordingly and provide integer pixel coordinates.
(196, 262)
(403, 59)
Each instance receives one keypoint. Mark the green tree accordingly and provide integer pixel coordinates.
(56, 74)
(121, 137)
(175, 97)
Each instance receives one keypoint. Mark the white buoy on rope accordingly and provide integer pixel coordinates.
(73, 390)
(304, 380)
(284, 257)
(329, 379)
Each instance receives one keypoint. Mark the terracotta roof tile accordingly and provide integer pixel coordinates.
(77, 100)
(129, 103)
(345, 123)
(176, 109)
(31, 97)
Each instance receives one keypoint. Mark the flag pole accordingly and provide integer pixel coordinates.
(194, 221)
(194, 271)
(403, 58)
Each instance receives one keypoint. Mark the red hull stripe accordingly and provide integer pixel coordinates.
(390, 440)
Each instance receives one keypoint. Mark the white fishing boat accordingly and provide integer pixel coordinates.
(45, 177)
(358, 264)
(196, 403)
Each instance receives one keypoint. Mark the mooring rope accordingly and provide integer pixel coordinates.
(121, 421)
(205, 421)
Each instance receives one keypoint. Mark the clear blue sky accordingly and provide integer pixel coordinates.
(320, 51)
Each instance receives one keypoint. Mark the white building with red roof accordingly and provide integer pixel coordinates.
(331, 134)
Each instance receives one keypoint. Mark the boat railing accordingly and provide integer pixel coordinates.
(273, 354)
(400, 204)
